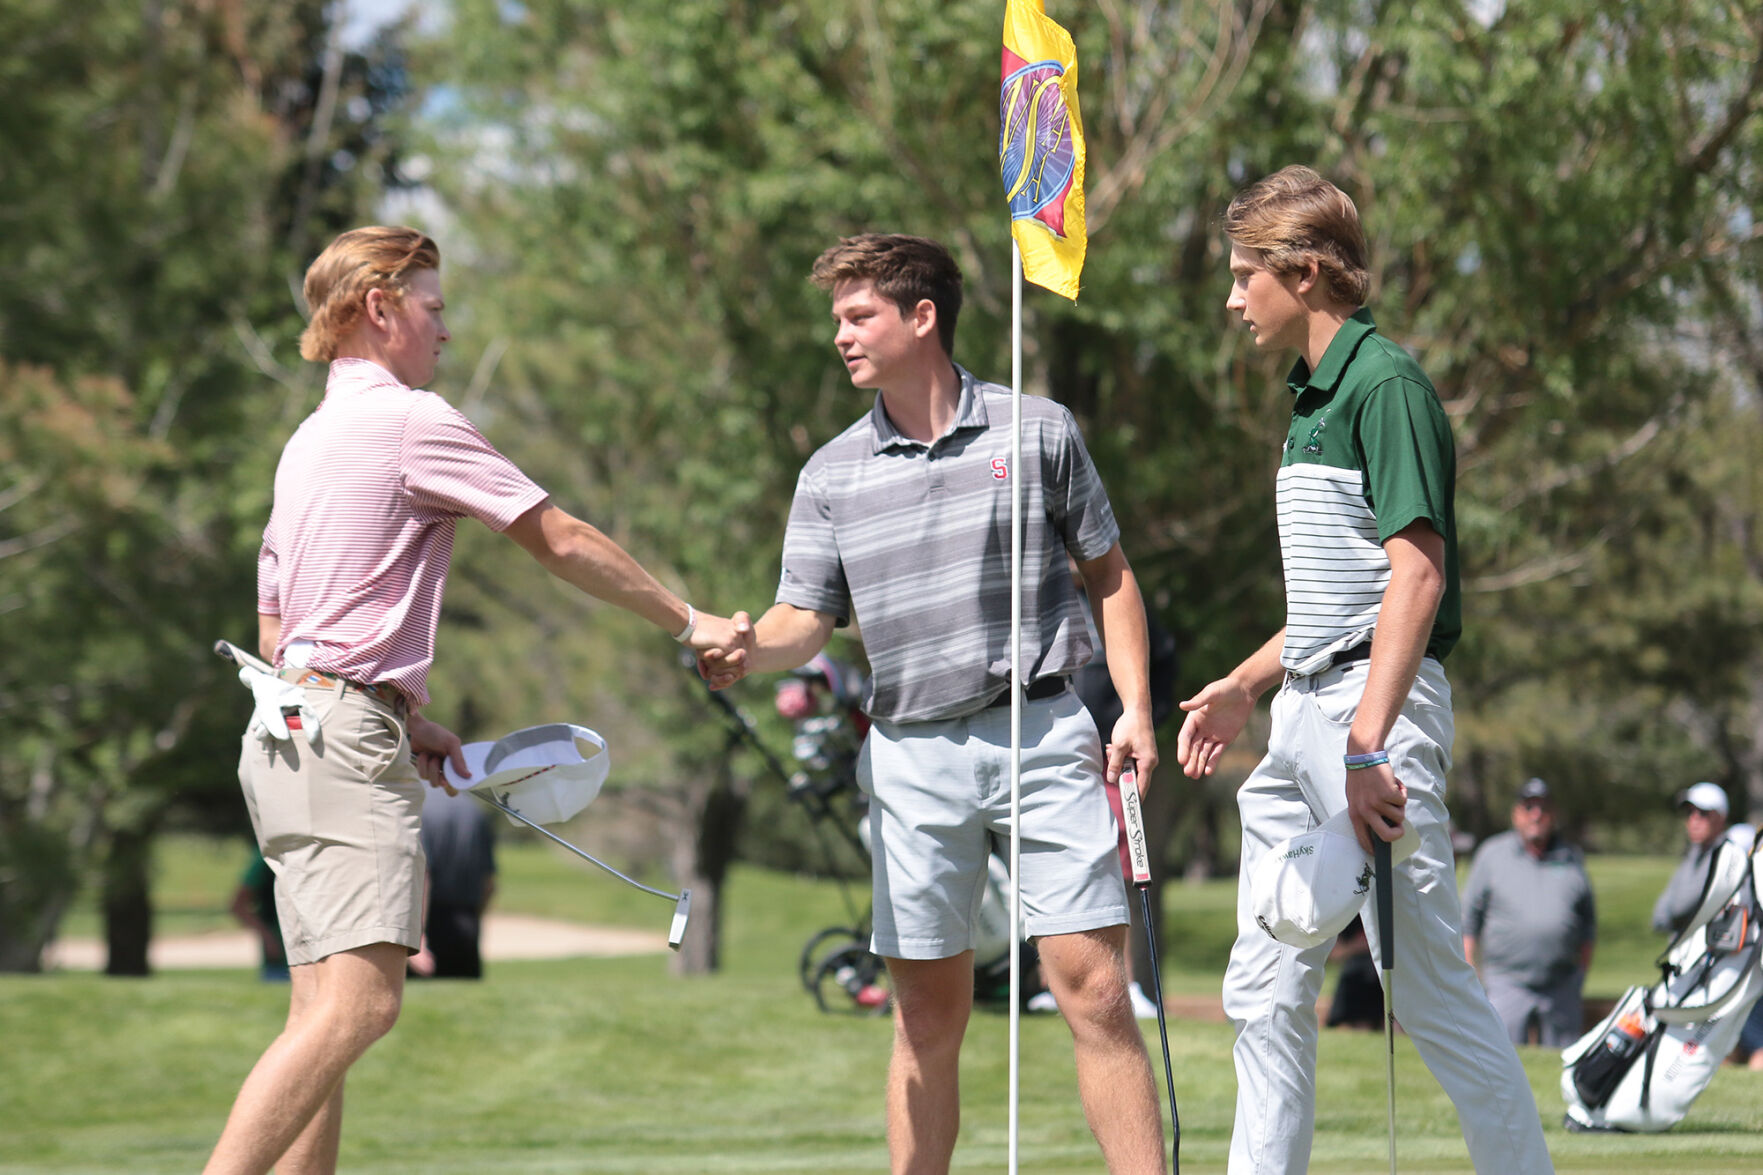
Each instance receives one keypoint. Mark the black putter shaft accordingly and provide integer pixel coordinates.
(1386, 936)
(1139, 853)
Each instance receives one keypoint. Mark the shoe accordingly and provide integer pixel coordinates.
(1142, 1007)
(1042, 1001)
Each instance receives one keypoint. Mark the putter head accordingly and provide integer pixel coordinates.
(682, 910)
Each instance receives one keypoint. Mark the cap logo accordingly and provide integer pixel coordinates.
(1298, 851)
(1363, 884)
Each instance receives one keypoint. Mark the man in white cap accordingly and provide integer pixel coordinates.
(1706, 820)
(1704, 809)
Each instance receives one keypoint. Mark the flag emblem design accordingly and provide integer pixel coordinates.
(1036, 153)
(1041, 147)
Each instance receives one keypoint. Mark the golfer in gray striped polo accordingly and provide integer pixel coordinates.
(901, 524)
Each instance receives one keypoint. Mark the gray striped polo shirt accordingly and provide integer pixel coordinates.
(912, 541)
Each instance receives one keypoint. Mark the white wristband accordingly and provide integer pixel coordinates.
(685, 634)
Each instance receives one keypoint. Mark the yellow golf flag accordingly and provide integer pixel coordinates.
(1041, 147)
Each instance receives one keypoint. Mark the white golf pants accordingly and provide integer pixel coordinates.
(1270, 989)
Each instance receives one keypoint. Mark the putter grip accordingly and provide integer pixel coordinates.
(1386, 901)
(1133, 816)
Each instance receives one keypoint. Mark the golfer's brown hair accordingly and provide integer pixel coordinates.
(1294, 217)
(378, 257)
(904, 270)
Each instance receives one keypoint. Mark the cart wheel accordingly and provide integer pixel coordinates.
(816, 949)
(853, 980)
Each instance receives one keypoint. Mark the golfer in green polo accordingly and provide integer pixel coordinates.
(1362, 720)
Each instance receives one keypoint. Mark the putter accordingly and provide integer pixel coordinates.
(231, 652)
(1140, 854)
(1386, 934)
(682, 901)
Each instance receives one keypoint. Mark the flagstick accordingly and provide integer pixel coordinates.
(1016, 688)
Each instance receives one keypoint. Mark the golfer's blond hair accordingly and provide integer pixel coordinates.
(904, 270)
(378, 257)
(1294, 217)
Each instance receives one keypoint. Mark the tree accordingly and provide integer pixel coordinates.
(164, 168)
(1558, 202)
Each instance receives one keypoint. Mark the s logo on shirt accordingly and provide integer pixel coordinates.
(1000, 469)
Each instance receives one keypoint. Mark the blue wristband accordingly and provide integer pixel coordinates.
(1368, 759)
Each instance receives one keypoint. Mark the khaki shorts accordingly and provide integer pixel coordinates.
(940, 802)
(340, 824)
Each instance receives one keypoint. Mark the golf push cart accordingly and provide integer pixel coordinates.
(823, 700)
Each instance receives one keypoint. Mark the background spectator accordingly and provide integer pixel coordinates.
(1358, 992)
(1528, 907)
(1704, 810)
(459, 838)
(1705, 814)
(254, 907)
(1096, 689)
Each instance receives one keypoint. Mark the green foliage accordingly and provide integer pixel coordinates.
(1560, 204)
(161, 177)
(1560, 213)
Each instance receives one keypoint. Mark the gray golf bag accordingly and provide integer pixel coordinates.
(1644, 1064)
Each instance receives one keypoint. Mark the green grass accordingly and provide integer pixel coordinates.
(614, 1066)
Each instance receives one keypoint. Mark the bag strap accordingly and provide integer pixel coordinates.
(1690, 1013)
(1706, 905)
(1647, 1072)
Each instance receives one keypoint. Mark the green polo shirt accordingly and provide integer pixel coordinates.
(1369, 452)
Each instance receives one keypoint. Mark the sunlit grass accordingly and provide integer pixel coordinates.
(615, 1066)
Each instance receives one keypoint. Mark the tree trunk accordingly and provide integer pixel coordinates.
(1749, 779)
(715, 810)
(31, 907)
(1469, 799)
(1203, 859)
(127, 903)
(38, 872)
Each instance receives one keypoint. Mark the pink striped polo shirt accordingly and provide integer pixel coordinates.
(354, 558)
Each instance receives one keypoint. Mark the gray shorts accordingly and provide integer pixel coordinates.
(340, 825)
(940, 799)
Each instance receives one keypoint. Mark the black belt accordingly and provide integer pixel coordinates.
(1040, 691)
(1359, 652)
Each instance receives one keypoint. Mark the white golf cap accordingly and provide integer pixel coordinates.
(546, 773)
(1709, 797)
(1307, 888)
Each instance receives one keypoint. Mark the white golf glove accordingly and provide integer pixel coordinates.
(274, 698)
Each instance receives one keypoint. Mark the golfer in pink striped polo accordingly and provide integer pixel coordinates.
(350, 577)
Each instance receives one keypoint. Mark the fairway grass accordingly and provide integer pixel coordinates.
(612, 1065)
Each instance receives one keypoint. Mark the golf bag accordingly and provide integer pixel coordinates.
(1646, 1062)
